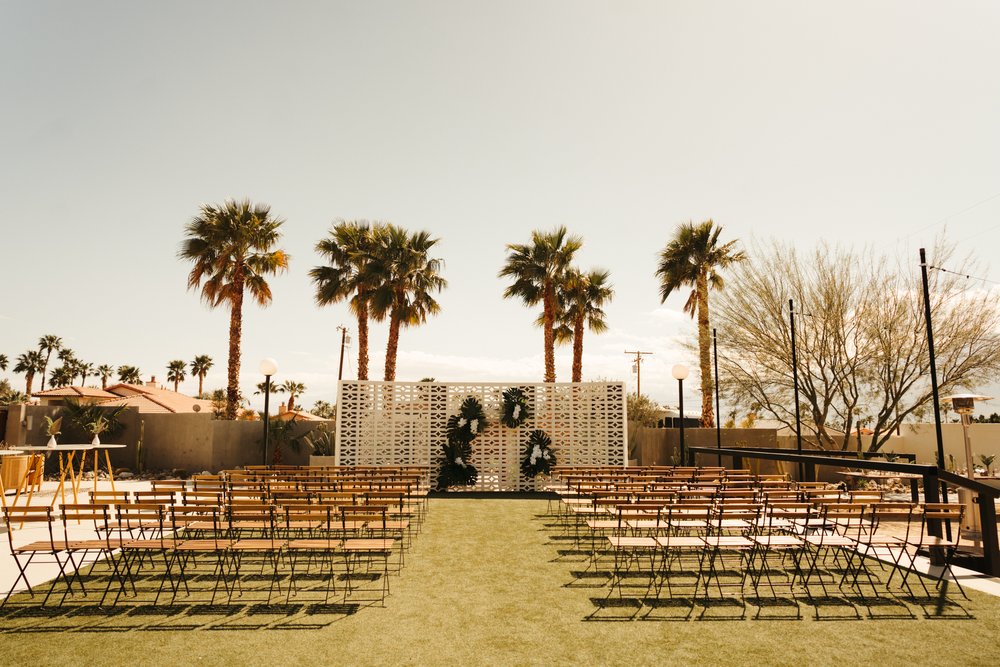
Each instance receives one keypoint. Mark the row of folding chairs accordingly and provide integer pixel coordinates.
(806, 535)
(277, 533)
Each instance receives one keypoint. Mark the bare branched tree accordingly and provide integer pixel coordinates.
(860, 338)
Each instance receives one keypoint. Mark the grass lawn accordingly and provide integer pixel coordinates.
(484, 583)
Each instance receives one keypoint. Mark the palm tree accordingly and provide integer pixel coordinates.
(129, 374)
(61, 377)
(407, 276)
(176, 372)
(47, 345)
(3, 362)
(536, 269)
(293, 389)
(693, 257)
(83, 369)
(105, 371)
(29, 363)
(200, 366)
(232, 248)
(349, 248)
(581, 297)
(274, 389)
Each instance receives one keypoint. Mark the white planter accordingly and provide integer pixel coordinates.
(96, 440)
(51, 442)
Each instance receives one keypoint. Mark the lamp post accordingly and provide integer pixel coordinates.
(268, 367)
(795, 385)
(680, 372)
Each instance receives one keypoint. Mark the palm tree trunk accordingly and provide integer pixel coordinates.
(363, 342)
(235, 335)
(578, 349)
(104, 382)
(390, 348)
(29, 379)
(201, 381)
(704, 357)
(175, 385)
(45, 367)
(550, 316)
(291, 402)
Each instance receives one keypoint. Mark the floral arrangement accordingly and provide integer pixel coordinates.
(457, 471)
(462, 430)
(538, 456)
(469, 422)
(515, 408)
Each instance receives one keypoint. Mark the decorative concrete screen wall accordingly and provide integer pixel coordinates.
(404, 423)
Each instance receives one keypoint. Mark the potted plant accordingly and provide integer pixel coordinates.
(987, 461)
(320, 443)
(52, 429)
(96, 428)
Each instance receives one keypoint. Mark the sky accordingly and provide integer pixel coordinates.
(851, 122)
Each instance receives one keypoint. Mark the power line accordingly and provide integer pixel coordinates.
(949, 217)
(963, 275)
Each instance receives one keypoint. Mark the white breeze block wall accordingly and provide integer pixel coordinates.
(403, 423)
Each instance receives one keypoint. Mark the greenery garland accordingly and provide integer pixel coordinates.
(462, 430)
(515, 408)
(538, 455)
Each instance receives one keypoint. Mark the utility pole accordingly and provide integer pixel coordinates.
(344, 340)
(795, 381)
(637, 367)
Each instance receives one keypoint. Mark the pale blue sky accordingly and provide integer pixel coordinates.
(849, 121)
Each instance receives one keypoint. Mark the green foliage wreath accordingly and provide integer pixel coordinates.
(538, 455)
(469, 422)
(515, 408)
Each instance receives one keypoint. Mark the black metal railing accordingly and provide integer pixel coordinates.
(931, 477)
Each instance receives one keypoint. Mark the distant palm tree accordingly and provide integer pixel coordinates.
(47, 345)
(105, 371)
(536, 269)
(30, 363)
(293, 389)
(693, 257)
(3, 362)
(66, 355)
(83, 369)
(348, 249)
(407, 276)
(129, 374)
(176, 372)
(232, 248)
(200, 366)
(61, 377)
(581, 298)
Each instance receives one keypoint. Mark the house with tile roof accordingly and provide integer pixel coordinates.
(150, 397)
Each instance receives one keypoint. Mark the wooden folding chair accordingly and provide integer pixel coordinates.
(15, 517)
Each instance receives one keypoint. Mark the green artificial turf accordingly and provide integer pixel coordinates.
(489, 581)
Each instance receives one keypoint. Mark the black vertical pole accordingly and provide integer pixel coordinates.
(343, 343)
(267, 410)
(795, 385)
(934, 383)
(680, 401)
(718, 415)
